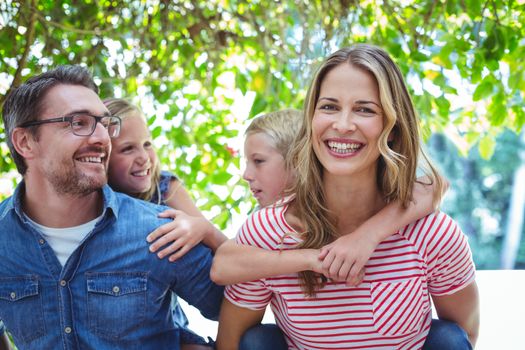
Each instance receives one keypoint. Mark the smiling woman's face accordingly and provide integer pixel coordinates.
(347, 122)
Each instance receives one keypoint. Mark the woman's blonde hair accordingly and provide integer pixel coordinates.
(123, 108)
(398, 162)
(281, 127)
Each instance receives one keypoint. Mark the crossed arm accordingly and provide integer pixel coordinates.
(341, 260)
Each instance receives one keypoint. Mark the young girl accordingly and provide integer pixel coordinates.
(357, 151)
(134, 169)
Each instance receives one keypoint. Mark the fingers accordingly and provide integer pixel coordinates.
(169, 213)
(181, 252)
(356, 269)
(164, 239)
(171, 248)
(327, 262)
(342, 267)
(161, 231)
(324, 251)
(355, 275)
(342, 274)
(334, 269)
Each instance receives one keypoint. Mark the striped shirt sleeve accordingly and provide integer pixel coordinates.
(261, 230)
(448, 255)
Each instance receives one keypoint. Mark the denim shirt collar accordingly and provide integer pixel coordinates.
(110, 202)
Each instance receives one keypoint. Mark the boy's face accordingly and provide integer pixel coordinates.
(265, 169)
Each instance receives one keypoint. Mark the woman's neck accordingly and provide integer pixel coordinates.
(352, 200)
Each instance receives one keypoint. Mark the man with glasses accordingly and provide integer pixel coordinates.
(75, 269)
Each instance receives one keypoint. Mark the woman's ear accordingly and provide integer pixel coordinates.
(24, 142)
(391, 135)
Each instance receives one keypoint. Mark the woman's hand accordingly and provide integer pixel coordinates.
(344, 259)
(176, 238)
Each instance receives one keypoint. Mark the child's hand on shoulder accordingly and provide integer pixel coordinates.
(176, 238)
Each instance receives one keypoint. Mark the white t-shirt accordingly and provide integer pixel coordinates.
(64, 241)
(390, 309)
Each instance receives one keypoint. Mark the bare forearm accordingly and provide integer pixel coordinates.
(394, 217)
(214, 239)
(235, 263)
(461, 307)
(233, 322)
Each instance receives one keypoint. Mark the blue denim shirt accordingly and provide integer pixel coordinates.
(112, 292)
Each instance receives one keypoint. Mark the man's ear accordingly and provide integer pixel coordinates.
(24, 142)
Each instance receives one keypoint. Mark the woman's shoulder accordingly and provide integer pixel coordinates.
(433, 231)
(268, 228)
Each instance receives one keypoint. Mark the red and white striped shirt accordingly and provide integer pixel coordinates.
(390, 309)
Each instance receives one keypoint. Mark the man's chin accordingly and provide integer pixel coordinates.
(84, 187)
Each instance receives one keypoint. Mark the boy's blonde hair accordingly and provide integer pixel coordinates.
(281, 126)
(123, 108)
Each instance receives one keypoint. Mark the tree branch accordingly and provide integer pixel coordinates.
(392, 14)
(96, 31)
(29, 38)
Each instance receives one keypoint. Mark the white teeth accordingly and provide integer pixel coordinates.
(341, 147)
(90, 159)
(140, 173)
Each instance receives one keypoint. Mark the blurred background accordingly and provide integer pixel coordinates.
(201, 69)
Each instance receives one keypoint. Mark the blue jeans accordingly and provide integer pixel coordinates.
(443, 335)
(263, 336)
(446, 335)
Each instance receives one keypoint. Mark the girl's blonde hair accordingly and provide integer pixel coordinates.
(398, 160)
(123, 108)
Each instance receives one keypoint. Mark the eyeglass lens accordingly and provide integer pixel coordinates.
(85, 125)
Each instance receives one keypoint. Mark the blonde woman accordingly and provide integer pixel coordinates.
(357, 151)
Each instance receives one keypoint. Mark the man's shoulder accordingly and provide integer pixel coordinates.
(127, 202)
(134, 212)
(5, 206)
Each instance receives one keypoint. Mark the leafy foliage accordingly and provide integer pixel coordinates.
(193, 61)
(479, 193)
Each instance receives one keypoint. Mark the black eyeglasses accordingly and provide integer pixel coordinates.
(83, 124)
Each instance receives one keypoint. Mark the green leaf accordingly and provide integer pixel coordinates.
(515, 80)
(486, 147)
(156, 132)
(497, 110)
(259, 105)
(473, 8)
(483, 90)
(443, 106)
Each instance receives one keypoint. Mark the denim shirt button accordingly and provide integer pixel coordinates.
(67, 330)
(41, 241)
(116, 289)
(63, 283)
(12, 295)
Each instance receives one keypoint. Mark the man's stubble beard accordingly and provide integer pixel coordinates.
(69, 180)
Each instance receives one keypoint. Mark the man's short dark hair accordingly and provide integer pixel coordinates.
(24, 103)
